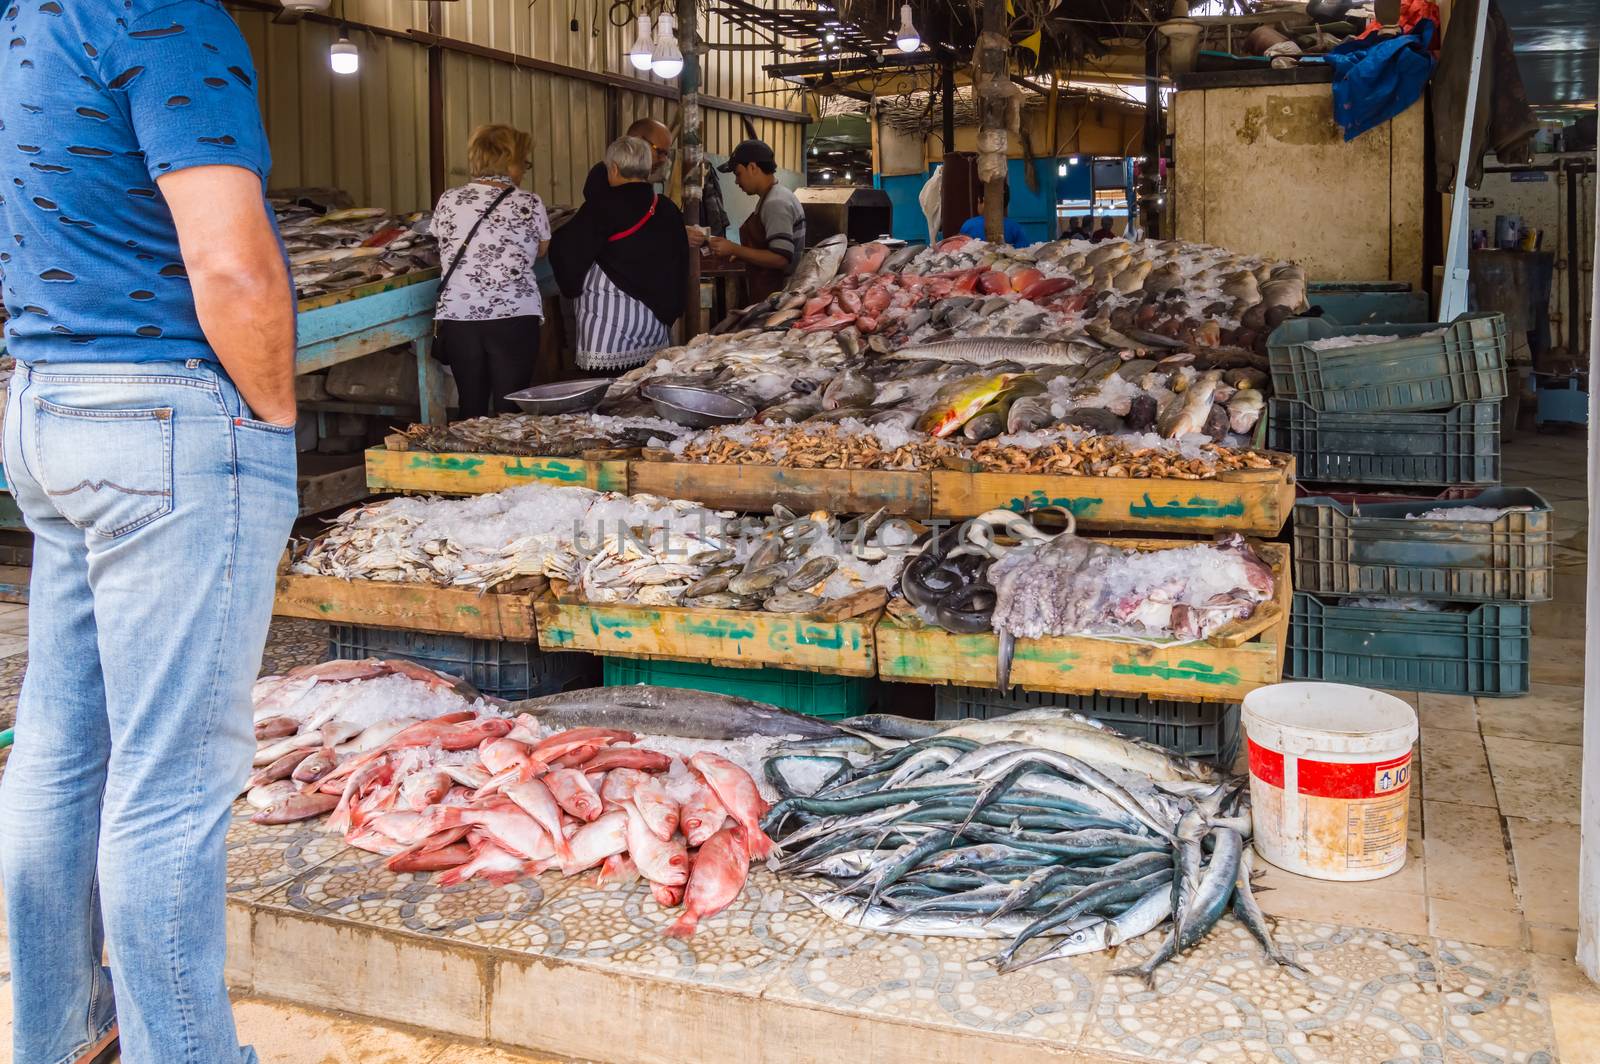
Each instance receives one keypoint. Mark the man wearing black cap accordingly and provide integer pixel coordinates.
(772, 238)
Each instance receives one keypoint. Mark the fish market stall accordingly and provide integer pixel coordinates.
(875, 368)
(1158, 618)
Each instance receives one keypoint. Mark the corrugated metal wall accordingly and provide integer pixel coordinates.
(368, 134)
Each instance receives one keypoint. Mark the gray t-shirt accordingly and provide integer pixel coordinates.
(785, 222)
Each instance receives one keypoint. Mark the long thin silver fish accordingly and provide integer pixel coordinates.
(982, 350)
(1216, 887)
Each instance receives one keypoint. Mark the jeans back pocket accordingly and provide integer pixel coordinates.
(105, 470)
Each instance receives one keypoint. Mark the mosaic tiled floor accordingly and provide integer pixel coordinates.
(1365, 995)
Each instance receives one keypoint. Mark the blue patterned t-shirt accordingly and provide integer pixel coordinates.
(98, 98)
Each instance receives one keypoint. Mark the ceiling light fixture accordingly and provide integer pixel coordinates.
(907, 39)
(640, 52)
(666, 61)
(343, 56)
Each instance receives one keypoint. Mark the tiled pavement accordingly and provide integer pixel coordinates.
(1463, 956)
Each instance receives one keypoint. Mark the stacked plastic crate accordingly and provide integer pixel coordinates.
(1409, 591)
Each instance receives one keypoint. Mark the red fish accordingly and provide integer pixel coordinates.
(573, 793)
(667, 897)
(1022, 278)
(456, 853)
(659, 811)
(951, 243)
(510, 827)
(701, 816)
(738, 794)
(535, 799)
(661, 862)
(489, 862)
(296, 807)
(717, 877)
(628, 757)
(617, 869)
(994, 283)
(596, 842)
(1045, 287)
(568, 741)
(619, 784)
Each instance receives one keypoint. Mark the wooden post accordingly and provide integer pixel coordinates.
(693, 152)
(437, 177)
(989, 78)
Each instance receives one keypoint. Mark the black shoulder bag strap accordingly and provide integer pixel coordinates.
(461, 252)
(438, 351)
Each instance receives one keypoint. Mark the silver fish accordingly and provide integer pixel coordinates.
(982, 350)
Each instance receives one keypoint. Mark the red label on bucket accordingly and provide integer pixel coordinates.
(1328, 779)
(1333, 779)
(1265, 765)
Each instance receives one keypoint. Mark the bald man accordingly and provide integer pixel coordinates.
(654, 133)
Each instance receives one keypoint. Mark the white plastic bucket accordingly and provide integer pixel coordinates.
(1330, 778)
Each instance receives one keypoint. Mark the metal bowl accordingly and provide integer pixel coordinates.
(698, 408)
(563, 397)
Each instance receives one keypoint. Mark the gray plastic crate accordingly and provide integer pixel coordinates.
(495, 667)
(1380, 549)
(1459, 446)
(1478, 650)
(1466, 363)
(1194, 729)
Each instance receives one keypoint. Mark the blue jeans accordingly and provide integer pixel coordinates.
(159, 510)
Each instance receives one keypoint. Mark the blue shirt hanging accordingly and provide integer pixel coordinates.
(1376, 78)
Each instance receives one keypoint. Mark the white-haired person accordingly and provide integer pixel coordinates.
(490, 233)
(625, 258)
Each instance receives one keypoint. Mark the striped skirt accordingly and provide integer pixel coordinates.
(615, 331)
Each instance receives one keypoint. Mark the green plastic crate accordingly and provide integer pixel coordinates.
(1375, 548)
(1483, 650)
(812, 693)
(1459, 446)
(1194, 729)
(1465, 364)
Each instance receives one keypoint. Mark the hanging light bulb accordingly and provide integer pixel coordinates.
(639, 52)
(829, 37)
(343, 56)
(1074, 161)
(907, 39)
(847, 175)
(813, 149)
(666, 61)
(1061, 169)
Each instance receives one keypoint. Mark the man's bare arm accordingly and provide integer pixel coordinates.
(241, 289)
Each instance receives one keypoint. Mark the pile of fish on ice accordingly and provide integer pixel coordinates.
(611, 548)
(1000, 572)
(1042, 825)
(331, 250)
(476, 791)
(1038, 826)
(985, 339)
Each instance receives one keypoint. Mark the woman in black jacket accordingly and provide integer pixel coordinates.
(624, 256)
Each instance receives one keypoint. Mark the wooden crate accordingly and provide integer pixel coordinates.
(1256, 502)
(757, 488)
(506, 613)
(477, 474)
(1234, 661)
(839, 640)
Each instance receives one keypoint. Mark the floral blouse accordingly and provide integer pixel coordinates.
(496, 278)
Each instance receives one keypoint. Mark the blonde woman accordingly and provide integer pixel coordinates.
(490, 233)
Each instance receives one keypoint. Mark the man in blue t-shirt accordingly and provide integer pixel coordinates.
(974, 226)
(149, 439)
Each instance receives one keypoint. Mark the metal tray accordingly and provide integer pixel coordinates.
(698, 408)
(563, 397)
